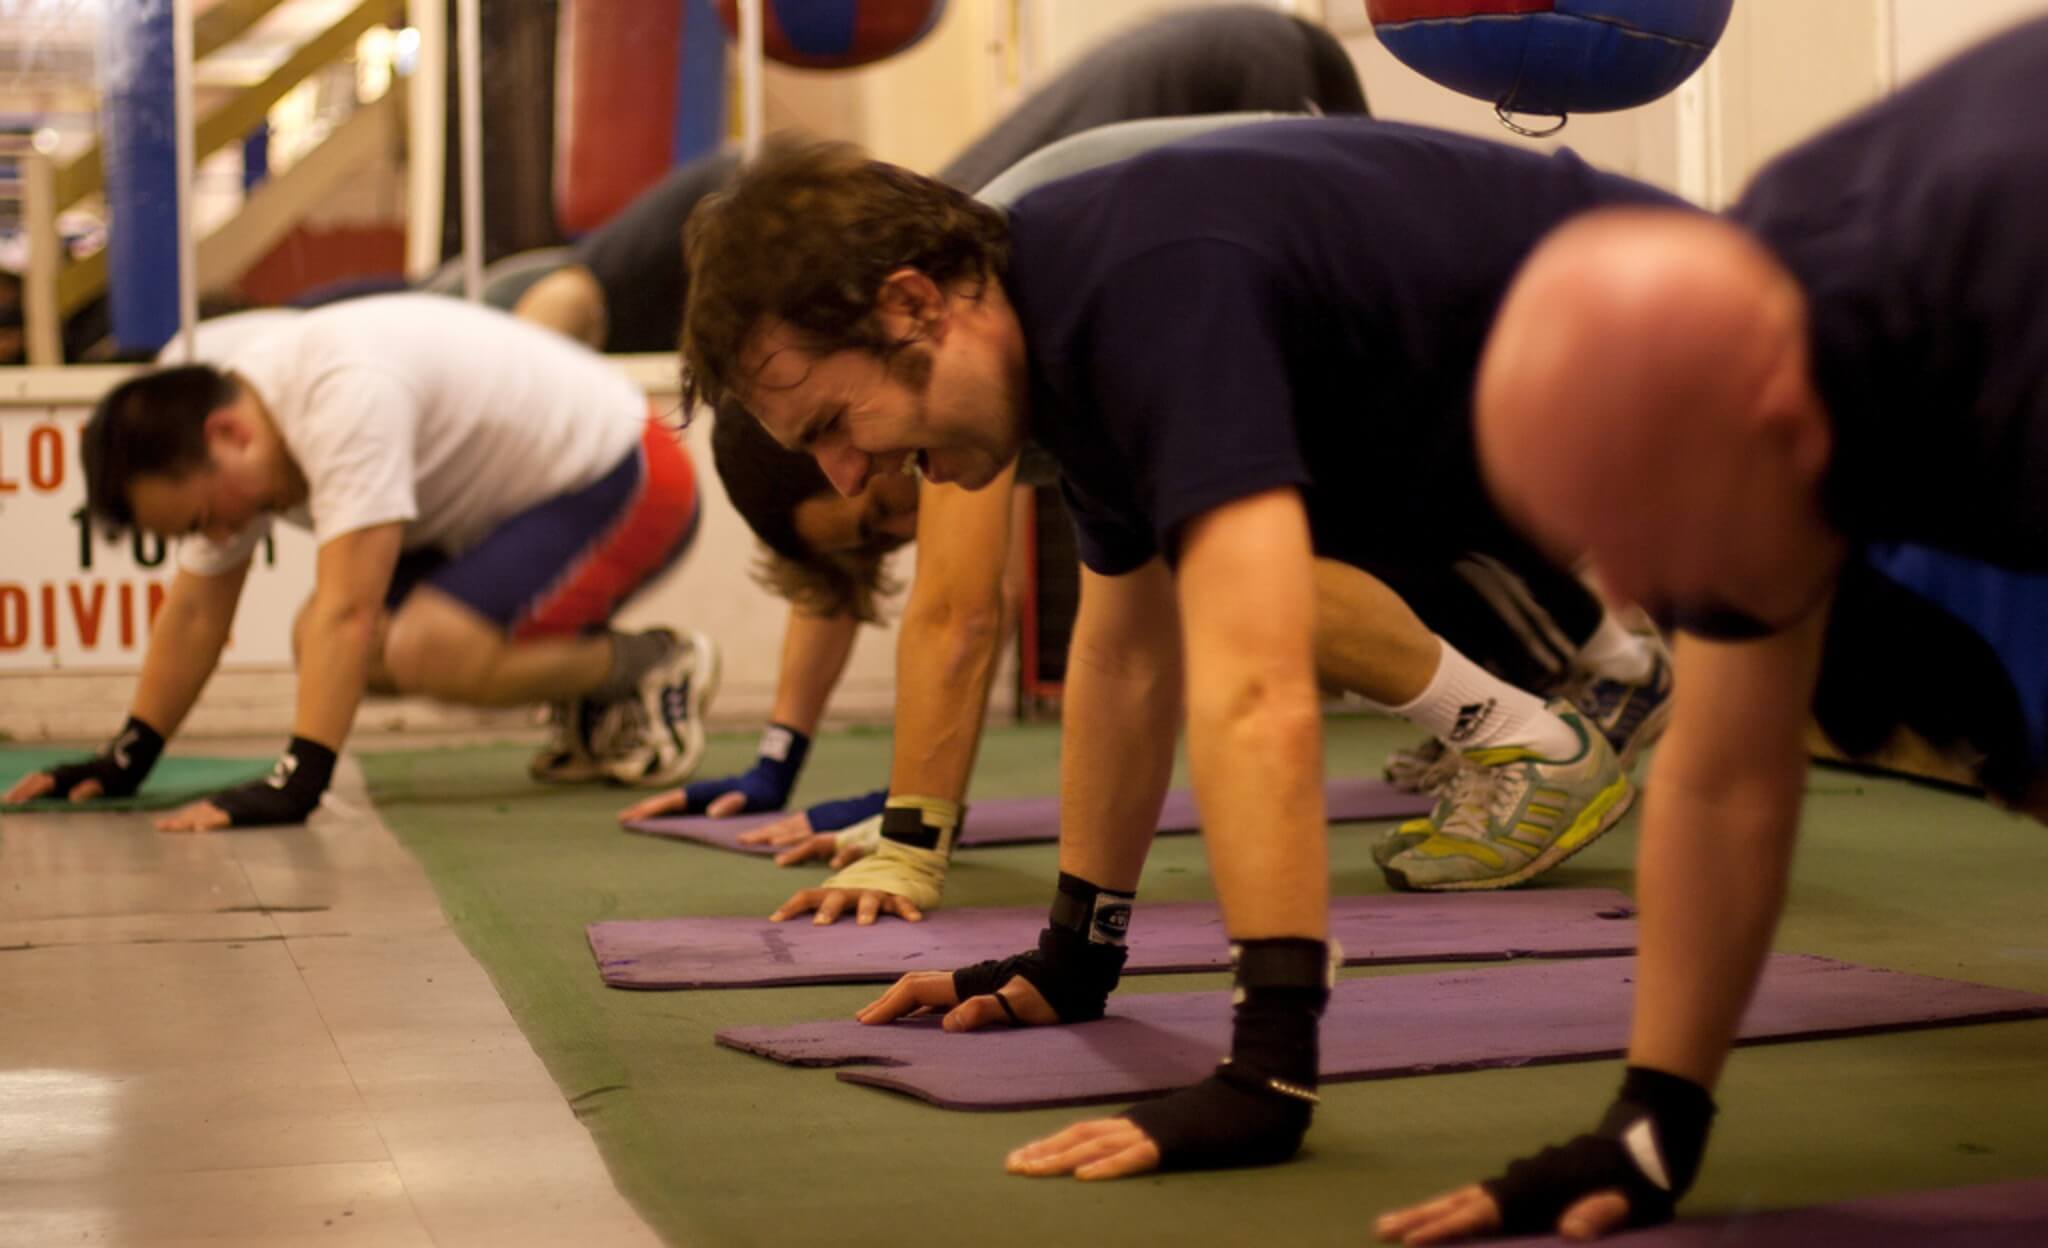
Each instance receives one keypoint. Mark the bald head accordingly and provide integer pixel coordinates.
(1644, 403)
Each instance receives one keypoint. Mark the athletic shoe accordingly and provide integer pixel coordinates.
(1425, 769)
(665, 740)
(567, 756)
(1513, 815)
(1630, 714)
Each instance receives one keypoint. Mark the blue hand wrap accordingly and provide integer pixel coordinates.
(844, 812)
(766, 784)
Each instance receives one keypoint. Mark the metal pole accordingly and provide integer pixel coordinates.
(45, 258)
(188, 225)
(426, 144)
(469, 81)
(751, 63)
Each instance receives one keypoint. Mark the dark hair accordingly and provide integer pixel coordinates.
(151, 424)
(806, 234)
(766, 484)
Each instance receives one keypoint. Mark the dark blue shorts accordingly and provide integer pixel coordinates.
(565, 566)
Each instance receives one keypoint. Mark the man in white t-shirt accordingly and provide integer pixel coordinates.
(484, 494)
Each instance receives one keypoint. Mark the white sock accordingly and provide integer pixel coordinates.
(1615, 652)
(1469, 708)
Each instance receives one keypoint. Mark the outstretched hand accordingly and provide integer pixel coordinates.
(929, 992)
(39, 784)
(827, 904)
(201, 816)
(1101, 1148)
(676, 800)
(789, 830)
(1471, 1210)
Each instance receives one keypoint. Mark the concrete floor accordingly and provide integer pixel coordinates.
(269, 1037)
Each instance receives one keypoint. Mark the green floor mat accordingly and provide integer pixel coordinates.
(172, 782)
(715, 1147)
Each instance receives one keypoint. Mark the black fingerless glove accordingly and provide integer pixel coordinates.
(120, 768)
(1649, 1147)
(766, 784)
(1080, 954)
(1255, 1109)
(288, 794)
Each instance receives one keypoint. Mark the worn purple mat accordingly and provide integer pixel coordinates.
(1176, 936)
(1375, 1028)
(1018, 820)
(1995, 1215)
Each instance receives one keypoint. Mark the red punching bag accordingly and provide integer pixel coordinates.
(837, 34)
(616, 122)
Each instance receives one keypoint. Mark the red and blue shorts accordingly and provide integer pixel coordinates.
(567, 565)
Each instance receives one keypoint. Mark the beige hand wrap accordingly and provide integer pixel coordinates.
(913, 840)
(863, 836)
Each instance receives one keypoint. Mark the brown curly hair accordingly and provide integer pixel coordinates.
(806, 235)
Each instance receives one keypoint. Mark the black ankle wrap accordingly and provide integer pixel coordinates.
(1080, 954)
(1255, 1109)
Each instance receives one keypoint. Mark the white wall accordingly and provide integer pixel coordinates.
(1923, 32)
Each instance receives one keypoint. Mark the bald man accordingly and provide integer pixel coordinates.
(1721, 417)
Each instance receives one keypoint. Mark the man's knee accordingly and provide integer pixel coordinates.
(568, 301)
(434, 654)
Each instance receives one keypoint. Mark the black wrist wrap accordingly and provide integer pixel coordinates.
(1255, 1109)
(909, 824)
(1102, 916)
(120, 768)
(288, 794)
(1080, 954)
(1648, 1146)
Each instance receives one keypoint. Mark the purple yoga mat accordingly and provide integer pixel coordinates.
(1176, 936)
(1995, 1215)
(1018, 820)
(1374, 1029)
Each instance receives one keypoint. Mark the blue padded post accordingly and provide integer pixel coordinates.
(138, 148)
(700, 84)
(256, 158)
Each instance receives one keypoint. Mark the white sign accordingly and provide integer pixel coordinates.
(74, 600)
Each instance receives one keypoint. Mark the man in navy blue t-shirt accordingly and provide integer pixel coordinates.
(1722, 416)
(1218, 341)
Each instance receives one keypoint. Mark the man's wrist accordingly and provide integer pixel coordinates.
(289, 793)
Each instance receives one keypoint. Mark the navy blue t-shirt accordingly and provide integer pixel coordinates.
(1919, 230)
(1292, 303)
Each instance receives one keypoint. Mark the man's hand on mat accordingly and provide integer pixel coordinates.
(198, 817)
(868, 904)
(675, 800)
(821, 845)
(1102, 1148)
(42, 784)
(789, 830)
(928, 992)
(1471, 1211)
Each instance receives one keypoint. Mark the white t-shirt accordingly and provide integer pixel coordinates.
(423, 409)
(218, 337)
